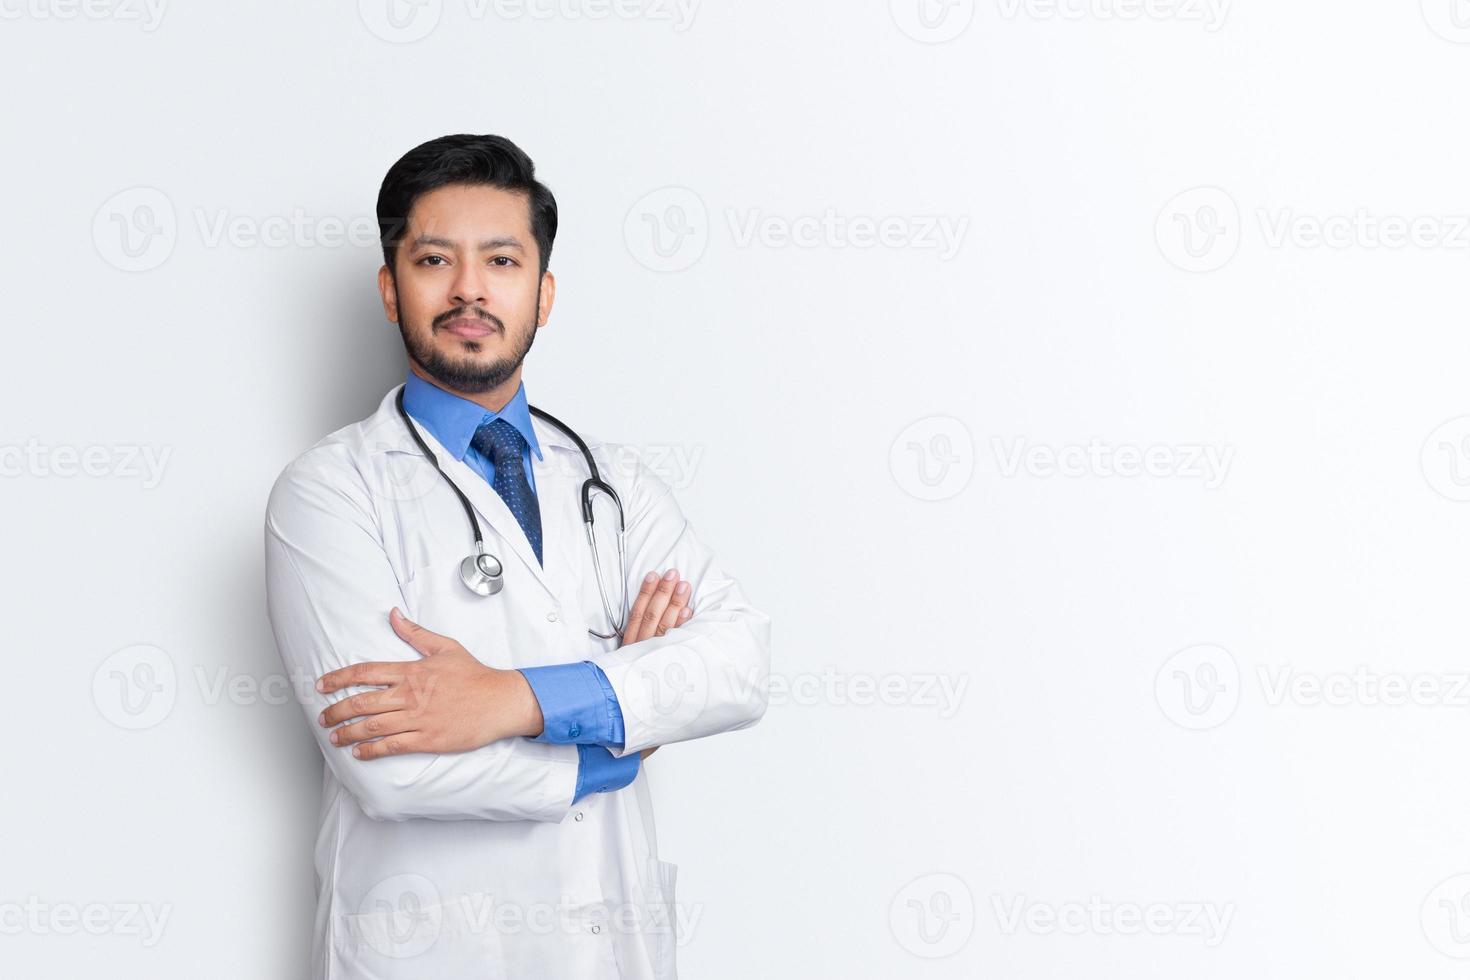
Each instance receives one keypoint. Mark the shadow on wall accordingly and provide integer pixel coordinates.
(348, 356)
(337, 359)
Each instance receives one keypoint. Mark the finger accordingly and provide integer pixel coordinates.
(686, 614)
(373, 726)
(645, 591)
(657, 603)
(393, 745)
(678, 602)
(425, 641)
(367, 703)
(375, 673)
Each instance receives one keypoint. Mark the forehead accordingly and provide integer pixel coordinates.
(468, 211)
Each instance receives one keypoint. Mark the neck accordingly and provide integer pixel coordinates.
(492, 400)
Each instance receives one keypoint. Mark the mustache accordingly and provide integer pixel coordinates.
(471, 311)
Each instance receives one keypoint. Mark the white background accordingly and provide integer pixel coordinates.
(1138, 189)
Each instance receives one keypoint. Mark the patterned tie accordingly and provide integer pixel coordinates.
(504, 447)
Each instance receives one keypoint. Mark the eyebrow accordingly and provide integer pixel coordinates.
(504, 241)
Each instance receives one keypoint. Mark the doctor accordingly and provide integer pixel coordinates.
(485, 811)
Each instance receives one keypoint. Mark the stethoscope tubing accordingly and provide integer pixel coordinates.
(588, 486)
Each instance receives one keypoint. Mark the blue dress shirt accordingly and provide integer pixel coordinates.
(578, 704)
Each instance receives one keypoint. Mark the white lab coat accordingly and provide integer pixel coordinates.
(477, 864)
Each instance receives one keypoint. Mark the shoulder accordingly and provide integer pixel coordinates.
(636, 471)
(338, 469)
(630, 468)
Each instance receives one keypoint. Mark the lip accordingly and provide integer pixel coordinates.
(468, 326)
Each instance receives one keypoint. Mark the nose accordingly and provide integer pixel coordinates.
(469, 289)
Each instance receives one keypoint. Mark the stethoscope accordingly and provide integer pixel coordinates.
(482, 572)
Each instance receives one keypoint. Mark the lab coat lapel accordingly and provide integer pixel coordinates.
(558, 485)
(559, 479)
(494, 512)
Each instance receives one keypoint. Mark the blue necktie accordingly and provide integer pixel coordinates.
(505, 447)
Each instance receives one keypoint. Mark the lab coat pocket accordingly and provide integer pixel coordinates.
(661, 924)
(410, 941)
(438, 600)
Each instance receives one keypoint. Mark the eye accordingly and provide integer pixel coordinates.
(428, 257)
(509, 261)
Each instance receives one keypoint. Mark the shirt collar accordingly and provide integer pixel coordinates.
(453, 420)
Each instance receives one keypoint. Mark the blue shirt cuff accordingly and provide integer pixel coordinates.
(578, 706)
(599, 772)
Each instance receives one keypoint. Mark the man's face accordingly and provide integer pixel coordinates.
(467, 295)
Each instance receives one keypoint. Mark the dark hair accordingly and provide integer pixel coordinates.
(492, 161)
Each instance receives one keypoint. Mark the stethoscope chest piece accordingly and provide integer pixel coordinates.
(482, 573)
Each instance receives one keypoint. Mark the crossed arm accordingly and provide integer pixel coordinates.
(330, 583)
(449, 701)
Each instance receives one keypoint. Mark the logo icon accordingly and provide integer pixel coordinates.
(667, 230)
(934, 458)
(932, 21)
(670, 694)
(933, 916)
(1445, 459)
(1198, 687)
(400, 21)
(406, 473)
(1445, 916)
(1199, 229)
(401, 917)
(136, 687)
(1450, 19)
(135, 230)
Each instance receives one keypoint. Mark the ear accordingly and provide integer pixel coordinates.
(548, 296)
(388, 290)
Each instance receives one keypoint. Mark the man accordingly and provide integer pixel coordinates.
(484, 808)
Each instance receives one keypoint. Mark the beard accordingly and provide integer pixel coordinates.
(465, 373)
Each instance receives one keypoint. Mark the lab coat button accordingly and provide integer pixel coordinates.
(577, 816)
(596, 928)
(551, 616)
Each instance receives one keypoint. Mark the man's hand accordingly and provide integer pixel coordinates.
(661, 604)
(446, 702)
(449, 701)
